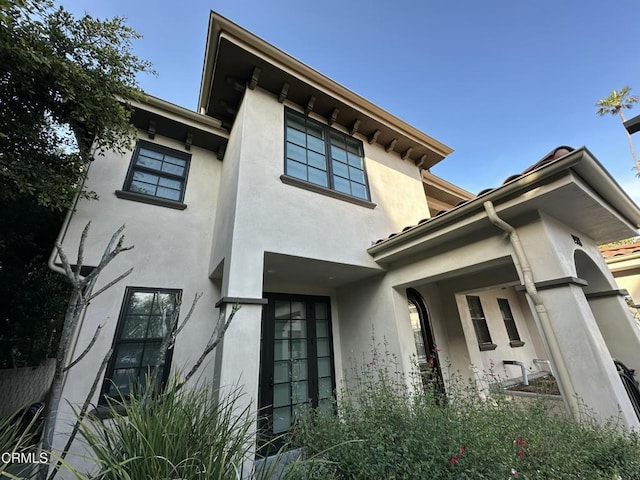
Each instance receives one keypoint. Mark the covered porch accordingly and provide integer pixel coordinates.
(515, 275)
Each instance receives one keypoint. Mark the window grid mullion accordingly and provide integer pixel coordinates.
(160, 173)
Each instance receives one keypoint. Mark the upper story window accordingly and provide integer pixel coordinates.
(480, 323)
(157, 175)
(320, 155)
(510, 323)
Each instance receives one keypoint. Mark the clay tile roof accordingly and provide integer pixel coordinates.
(620, 250)
(554, 154)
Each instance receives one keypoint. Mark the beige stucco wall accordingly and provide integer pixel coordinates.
(170, 251)
(270, 216)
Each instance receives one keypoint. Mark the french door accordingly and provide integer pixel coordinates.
(297, 368)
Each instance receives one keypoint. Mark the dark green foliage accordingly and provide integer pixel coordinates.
(384, 431)
(62, 84)
(64, 88)
(34, 297)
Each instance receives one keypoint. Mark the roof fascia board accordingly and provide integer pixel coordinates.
(623, 258)
(521, 183)
(442, 184)
(213, 33)
(182, 115)
(605, 185)
(220, 26)
(598, 183)
(442, 226)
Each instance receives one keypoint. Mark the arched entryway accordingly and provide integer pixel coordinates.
(610, 311)
(427, 356)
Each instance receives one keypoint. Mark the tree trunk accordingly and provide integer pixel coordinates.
(57, 384)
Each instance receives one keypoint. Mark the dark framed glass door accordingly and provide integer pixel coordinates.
(427, 356)
(297, 369)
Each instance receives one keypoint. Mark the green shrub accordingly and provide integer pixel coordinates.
(386, 430)
(185, 434)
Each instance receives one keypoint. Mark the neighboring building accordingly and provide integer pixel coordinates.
(274, 196)
(624, 263)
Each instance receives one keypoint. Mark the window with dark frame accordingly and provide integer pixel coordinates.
(323, 156)
(509, 323)
(296, 362)
(158, 171)
(145, 319)
(480, 323)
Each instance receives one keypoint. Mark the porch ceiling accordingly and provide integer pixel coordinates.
(286, 270)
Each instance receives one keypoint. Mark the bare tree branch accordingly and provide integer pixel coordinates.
(197, 297)
(86, 350)
(213, 343)
(81, 295)
(80, 262)
(109, 285)
(66, 265)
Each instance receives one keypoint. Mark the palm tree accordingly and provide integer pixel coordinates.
(614, 104)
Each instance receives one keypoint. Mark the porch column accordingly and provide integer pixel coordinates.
(586, 356)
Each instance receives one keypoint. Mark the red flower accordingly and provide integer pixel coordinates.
(372, 363)
(437, 348)
(431, 361)
(492, 364)
(521, 443)
(521, 453)
(514, 472)
(454, 460)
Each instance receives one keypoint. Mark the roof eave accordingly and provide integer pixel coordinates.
(581, 160)
(220, 27)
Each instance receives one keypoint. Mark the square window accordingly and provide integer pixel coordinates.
(320, 155)
(157, 172)
(144, 320)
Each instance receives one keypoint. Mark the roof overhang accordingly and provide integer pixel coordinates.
(156, 116)
(236, 59)
(441, 194)
(633, 124)
(575, 189)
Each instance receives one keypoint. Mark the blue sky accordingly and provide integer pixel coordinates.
(502, 82)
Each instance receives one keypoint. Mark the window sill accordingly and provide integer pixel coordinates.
(296, 182)
(516, 343)
(162, 202)
(104, 411)
(487, 346)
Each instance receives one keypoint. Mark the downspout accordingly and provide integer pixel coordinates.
(65, 224)
(523, 369)
(564, 380)
(54, 253)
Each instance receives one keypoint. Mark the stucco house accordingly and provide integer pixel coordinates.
(315, 210)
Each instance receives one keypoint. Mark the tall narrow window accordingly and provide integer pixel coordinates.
(144, 321)
(509, 323)
(480, 323)
(323, 156)
(296, 360)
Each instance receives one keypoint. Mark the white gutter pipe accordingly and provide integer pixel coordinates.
(523, 368)
(522, 264)
(538, 361)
